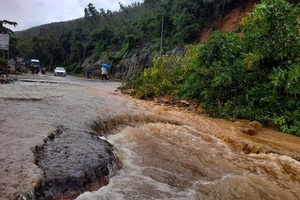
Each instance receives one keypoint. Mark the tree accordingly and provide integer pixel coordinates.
(4, 29)
(90, 11)
(91, 16)
(77, 41)
(272, 31)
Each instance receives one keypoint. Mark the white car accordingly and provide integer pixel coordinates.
(60, 71)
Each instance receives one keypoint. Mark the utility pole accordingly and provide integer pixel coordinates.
(161, 34)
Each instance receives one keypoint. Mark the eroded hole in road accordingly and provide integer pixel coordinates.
(74, 162)
(102, 127)
(38, 81)
(22, 99)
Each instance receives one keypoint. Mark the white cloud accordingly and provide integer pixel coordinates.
(30, 13)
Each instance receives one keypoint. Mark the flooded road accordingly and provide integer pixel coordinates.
(194, 157)
(164, 152)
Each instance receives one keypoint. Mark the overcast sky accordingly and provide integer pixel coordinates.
(30, 13)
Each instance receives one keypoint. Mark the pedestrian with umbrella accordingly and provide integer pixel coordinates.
(104, 72)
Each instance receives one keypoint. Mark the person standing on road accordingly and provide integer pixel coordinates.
(104, 74)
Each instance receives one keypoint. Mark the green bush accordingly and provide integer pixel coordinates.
(272, 32)
(100, 47)
(119, 55)
(216, 76)
(161, 79)
(134, 80)
(74, 68)
(3, 61)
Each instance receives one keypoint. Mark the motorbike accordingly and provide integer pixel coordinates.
(89, 74)
(34, 70)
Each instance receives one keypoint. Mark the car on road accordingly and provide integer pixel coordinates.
(60, 71)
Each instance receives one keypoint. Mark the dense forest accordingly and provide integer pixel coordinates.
(252, 72)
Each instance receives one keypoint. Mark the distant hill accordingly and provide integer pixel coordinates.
(54, 28)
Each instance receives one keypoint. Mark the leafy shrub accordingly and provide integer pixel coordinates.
(216, 76)
(120, 53)
(289, 122)
(162, 79)
(74, 68)
(134, 80)
(100, 47)
(3, 61)
(272, 31)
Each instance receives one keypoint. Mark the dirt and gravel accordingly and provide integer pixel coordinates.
(37, 107)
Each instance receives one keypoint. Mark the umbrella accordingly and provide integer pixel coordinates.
(106, 66)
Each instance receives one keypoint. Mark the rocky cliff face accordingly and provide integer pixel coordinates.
(136, 59)
(139, 59)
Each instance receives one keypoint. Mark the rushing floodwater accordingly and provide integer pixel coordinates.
(186, 159)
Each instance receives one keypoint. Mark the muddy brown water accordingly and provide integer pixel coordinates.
(164, 152)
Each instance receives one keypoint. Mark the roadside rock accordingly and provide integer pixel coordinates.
(4, 79)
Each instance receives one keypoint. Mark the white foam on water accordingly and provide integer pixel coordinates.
(165, 161)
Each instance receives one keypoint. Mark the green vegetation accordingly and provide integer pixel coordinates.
(255, 76)
(163, 78)
(3, 61)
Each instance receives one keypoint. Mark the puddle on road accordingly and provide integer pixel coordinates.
(39, 81)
